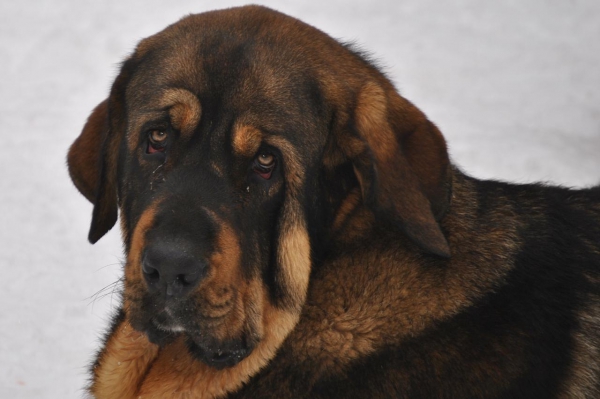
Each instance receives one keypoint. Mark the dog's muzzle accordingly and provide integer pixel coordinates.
(171, 269)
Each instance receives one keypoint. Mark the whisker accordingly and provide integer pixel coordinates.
(109, 265)
(115, 288)
(110, 289)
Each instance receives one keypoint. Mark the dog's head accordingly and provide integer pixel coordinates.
(229, 143)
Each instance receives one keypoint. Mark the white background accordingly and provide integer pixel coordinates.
(514, 86)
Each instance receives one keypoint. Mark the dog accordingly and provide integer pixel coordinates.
(294, 228)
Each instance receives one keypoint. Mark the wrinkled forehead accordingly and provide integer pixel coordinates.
(227, 75)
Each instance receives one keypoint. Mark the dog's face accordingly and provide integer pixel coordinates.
(232, 143)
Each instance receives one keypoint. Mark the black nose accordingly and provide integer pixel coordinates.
(171, 268)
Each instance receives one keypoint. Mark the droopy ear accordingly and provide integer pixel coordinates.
(90, 169)
(83, 159)
(402, 164)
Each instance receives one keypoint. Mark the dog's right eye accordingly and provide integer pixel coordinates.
(156, 141)
(264, 164)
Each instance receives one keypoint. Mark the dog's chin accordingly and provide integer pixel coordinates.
(216, 355)
(160, 334)
(220, 356)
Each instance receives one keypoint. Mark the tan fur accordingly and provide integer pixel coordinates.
(348, 205)
(371, 119)
(217, 169)
(131, 367)
(246, 140)
(294, 254)
(134, 283)
(124, 364)
(294, 246)
(172, 372)
(218, 291)
(184, 110)
(175, 374)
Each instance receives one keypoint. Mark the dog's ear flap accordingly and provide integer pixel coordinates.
(83, 158)
(91, 166)
(401, 162)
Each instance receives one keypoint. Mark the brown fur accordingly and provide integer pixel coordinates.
(132, 367)
(362, 264)
(84, 155)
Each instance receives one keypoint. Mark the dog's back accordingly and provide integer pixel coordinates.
(537, 330)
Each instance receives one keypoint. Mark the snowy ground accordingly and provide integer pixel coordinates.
(514, 85)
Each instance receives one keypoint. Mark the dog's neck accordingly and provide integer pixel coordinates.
(358, 276)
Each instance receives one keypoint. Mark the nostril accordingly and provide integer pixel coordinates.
(151, 274)
(147, 269)
(190, 278)
(170, 269)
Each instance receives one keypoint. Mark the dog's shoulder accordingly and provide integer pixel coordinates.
(519, 294)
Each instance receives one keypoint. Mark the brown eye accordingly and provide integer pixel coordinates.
(156, 141)
(264, 164)
(266, 160)
(158, 136)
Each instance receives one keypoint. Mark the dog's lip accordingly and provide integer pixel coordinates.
(222, 359)
(167, 327)
(167, 322)
(219, 358)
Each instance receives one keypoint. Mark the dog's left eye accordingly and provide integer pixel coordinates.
(156, 141)
(264, 164)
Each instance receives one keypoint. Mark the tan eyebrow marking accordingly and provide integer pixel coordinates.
(185, 110)
(246, 140)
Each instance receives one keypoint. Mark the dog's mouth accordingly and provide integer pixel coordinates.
(159, 330)
(167, 321)
(163, 328)
(168, 327)
(220, 356)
